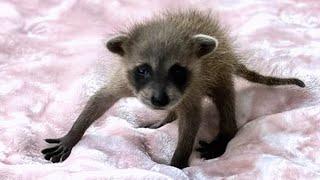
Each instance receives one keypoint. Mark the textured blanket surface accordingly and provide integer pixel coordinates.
(53, 58)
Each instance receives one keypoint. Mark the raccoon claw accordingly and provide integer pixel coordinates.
(215, 148)
(57, 153)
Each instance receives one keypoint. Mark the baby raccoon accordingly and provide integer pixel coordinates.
(171, 62)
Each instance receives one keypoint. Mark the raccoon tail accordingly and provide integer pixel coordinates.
(253, 76)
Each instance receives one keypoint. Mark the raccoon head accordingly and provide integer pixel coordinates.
(160, 70)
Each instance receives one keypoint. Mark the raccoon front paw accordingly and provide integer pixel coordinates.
(215, 148)
(58, 153)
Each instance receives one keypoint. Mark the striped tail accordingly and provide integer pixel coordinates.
(253, 76)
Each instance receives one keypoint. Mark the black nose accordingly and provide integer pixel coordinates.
(160, 99)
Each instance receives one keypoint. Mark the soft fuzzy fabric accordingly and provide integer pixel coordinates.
(52, 58)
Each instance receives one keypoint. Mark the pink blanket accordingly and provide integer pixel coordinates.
(52, 58)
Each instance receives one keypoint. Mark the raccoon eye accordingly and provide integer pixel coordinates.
(143, 71)
(178, 74)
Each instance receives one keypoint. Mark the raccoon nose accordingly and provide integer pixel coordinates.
(160, 99)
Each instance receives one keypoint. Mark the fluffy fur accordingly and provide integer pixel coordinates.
(196, 43)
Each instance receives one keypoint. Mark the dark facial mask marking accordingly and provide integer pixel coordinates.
(178, 75)
(141, 75)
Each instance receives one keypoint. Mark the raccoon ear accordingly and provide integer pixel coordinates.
(204, 44)
(115, 44)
